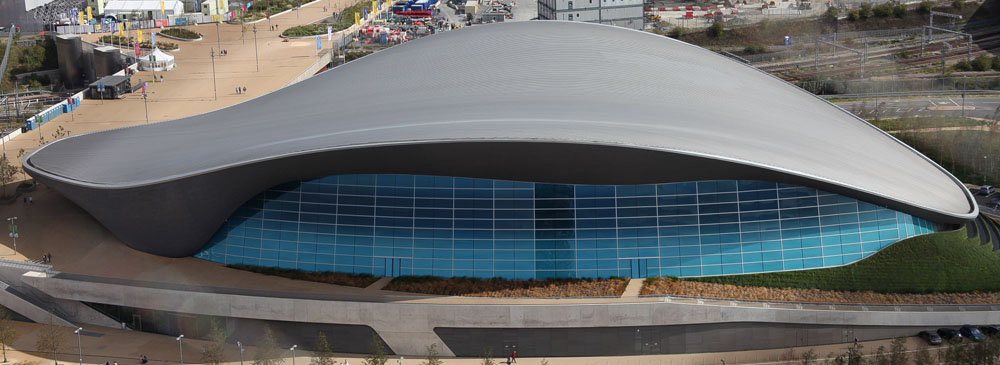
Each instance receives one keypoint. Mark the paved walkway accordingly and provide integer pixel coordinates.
(188, 89)
(101, 344)
(633, 289)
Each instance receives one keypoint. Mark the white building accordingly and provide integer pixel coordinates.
(622, 13)
(143, 9)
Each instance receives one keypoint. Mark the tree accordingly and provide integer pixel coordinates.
(50, 339)
(376, 352)
(958, 4)
(854, 15)
(832, 13)
(215, 352)
(922, 357)
(982, 63)
(268, 352)
(7, 173)
(7, 332)
(322, 355)
(20, 153)
(809, 357)
(899, 10)
(855, 355)
(715, 31)
(677, 32)
(897, 349)
(866, 11)
(880, 357)
(925, 7)
(432, 356)
(488, 357)
(882, 10)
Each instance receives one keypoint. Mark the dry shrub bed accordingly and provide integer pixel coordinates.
(672, 286)
(504, 288)
(335, 278)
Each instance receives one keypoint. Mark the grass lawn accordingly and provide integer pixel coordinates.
(944, 262)
(904, 123)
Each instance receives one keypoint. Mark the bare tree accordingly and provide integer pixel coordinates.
(50, 339)
(7, 332)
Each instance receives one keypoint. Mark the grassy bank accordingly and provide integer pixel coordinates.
(335, 278)
(944, 262)
(509, 288)
(905, 123)
(346, 20)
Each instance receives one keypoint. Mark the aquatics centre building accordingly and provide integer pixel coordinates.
(583, 151)
(572, 150)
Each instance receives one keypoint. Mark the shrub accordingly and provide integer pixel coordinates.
(335, 278)
(899, 10)
(982, 63)
(962, 65)
(715, 31)
(677, 32)
(854, 15)
(832, 13)
(996, 63)
(866, 11)
(754, 49)
(882, 10)
(498, 287)
(181, 33)
(925, 7)
(958, 4)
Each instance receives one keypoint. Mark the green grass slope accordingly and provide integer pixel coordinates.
(944, 262)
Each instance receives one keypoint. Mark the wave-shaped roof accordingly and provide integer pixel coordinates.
(542, 81)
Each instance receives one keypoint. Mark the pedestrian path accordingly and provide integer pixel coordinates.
(633, 289)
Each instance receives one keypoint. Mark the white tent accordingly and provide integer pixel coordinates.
(156, 61)
(144, 8)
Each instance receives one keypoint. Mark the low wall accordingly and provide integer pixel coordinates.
(409, 327)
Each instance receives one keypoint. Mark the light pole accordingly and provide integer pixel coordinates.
(984, 177)
(13, 231)
(146, 106)
(215, 89)
(218, 37)
(180, 347)
(79, 343)
(240, 345)
(256, 55)
(293, 353)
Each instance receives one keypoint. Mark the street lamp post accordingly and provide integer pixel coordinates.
(13, 231)
(180, 347)
(79, 343)
(985, 160)
(218, 37)
(240, 345)
(293, 353)
(256, 56)
(146, 106)
(215, 89)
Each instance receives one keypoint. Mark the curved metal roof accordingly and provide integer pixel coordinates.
(542, 81)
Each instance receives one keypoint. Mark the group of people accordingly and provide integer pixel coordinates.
(29, 200)
(274, 27)
(241, 90)
(143, 359)
(512, 358)
(46, 258)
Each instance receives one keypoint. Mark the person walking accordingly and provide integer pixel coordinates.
(244, 89)
(513, 356)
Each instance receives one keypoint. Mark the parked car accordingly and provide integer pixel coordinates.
(931, 337)
(989, 330)
(971, 332)
(950, 334)
(986, 190)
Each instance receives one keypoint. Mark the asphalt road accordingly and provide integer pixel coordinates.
(979, 107)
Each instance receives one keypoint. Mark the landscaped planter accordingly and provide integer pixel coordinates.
(23, 188)
(179, 38)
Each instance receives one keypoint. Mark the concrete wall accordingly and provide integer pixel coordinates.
(409, 327)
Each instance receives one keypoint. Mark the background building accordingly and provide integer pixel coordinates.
(622, 13)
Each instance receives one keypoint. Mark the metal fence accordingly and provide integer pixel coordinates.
(892, 86)
(186, 19)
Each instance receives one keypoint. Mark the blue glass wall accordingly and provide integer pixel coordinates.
(425, 225)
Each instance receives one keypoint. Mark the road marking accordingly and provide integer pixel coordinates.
(953, 102)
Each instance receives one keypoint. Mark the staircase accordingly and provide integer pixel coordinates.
(987, 229)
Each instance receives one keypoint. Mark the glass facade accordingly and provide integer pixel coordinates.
(392, 225)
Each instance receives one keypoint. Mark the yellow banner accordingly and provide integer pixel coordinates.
(121, 29)
(82, 20)
(140, 35)
(220, 9)
(357, 18)
(374, 7)
(162, 10)
(98, 27)
(89, 14)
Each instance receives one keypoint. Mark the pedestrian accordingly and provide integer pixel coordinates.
(244, 89)
(513, 356)
(25, 200)
(161, 78)
(855, 341)
(31, 200)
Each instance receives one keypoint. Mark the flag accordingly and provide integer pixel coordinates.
(140, 35)
(152, 38)
(162, 9)
(249, 4)
(268, 16)
(89, 15)
(357, 19)
(138, 51)
(144, 86)
(319, 45)
(121, 30)
(374, 7)
(243, 8)
(220, 7)
(329, 33)
(82, 21)
(365, 10)
(232, 14)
